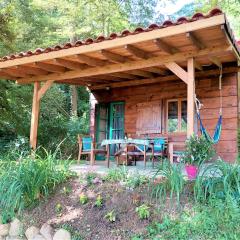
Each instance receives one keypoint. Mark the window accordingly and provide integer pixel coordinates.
(177, 115)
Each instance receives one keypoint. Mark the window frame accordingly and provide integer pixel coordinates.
(179, 101)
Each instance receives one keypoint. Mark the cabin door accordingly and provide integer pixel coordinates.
(102, 119)
(116, 123)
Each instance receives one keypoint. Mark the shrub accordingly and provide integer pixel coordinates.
(143, 211)
(198, 150)
(24, 183)
(172, 181)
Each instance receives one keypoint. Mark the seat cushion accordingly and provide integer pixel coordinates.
(159, 144)
(87, 142)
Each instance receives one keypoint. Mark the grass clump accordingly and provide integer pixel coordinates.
(219, 180)
(24, 183)
(168, 179)
(116, 174)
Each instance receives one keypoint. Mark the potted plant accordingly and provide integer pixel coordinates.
(198, 150)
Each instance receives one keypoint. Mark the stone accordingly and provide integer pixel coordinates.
(39, 237)
(47, 231)
(14, 238)
(16, 228)
(31, 232)
(62, 234)
(4, 229)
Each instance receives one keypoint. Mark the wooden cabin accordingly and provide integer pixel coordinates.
(143, 83)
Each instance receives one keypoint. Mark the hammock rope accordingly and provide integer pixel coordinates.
(218, 129)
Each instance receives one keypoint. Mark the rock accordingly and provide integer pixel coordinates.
(4, 229)
(62, 234)
(14, 238)
(16, 228)
(39, 237)
(31, 232)
(47, 231)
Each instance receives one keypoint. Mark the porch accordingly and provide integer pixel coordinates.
(155, 73)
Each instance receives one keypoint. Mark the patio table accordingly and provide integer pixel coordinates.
(124, 143)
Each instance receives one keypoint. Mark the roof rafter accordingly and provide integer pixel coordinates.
(122, 67)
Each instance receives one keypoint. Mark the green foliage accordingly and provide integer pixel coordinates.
(26, 182)
(99, 201)
(111, 216)
(75, 235)
(219, 180)
(135, 180)
(168, 179)
(116, 174)
(143, 211)
(198, 150)
(58, 208)
(83, 199)
(216, 221)
(66, 190)
(90, 176)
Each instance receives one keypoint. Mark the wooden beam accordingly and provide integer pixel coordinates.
(15, 72)
(177, 70)
(31, 70)
(190, 97)
(35, 116)
(122, 59)
(165, 47)
(98, 62)
(51, 67)
(117, 58)
(216, 61)
(195, 41)
(130, 83)
(138, 52)
(122, 67)
(70, 64)
(4, 75)
(118, 42)
(44, 89)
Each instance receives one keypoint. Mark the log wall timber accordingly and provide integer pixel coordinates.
(206, 90)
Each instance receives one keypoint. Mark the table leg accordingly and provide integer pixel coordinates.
(108, 156)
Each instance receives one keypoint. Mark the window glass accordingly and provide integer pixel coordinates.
(184, 116)
(173, 116)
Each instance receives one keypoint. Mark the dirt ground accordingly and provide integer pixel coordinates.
(87, 220)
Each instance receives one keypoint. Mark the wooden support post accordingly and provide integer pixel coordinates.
(37, 95)
(35, 116)
(190, 96)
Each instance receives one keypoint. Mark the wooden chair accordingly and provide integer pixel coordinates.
(158, 148)
(88, 147)
(174, 150)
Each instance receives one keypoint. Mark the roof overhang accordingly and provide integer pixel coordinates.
(139, 56)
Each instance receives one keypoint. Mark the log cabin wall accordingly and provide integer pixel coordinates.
(208, 93)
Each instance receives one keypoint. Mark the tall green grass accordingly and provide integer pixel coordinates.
(24, 183)
(219, 180)
(172, 182)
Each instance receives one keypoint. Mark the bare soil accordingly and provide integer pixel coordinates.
(87, 220)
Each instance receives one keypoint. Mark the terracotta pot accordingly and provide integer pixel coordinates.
(192, 171)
